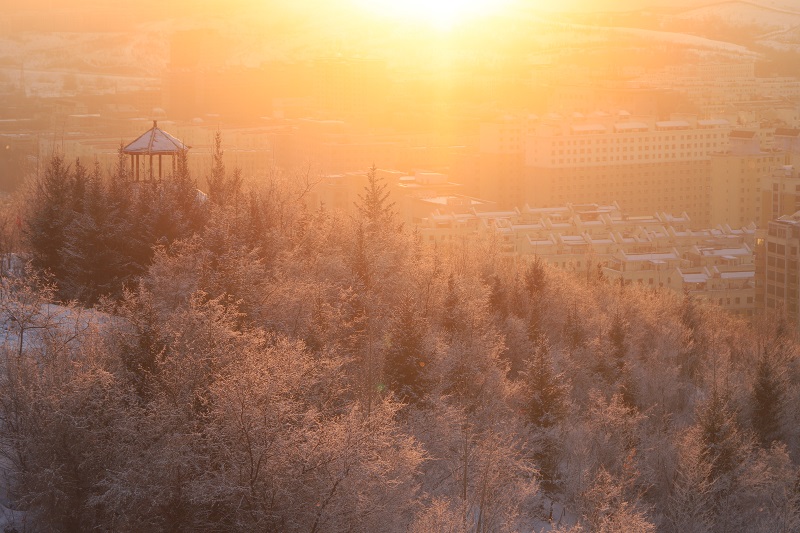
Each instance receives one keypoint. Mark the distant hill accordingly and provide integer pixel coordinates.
(744, 13)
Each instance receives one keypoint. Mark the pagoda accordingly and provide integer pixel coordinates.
(152, 143)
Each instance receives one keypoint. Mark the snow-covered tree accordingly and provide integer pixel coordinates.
(407, 353)
(769, 396)
(374, 205)
(547, 389)
(48, 216)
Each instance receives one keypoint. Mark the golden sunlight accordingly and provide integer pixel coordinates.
(441, 14)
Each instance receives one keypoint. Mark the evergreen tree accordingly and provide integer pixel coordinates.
(407, 354)
(616, 337)
(768, 397)
(374, 205)
(534, 326)
(548, 390)
(691, 355)
(174, 208)
(574, 334)
(49, 216)
(222, 189)
(628, 386)
(535, 280)
(129, 236)
(722, 440)
(100, 247)
(450, 321)
(517, 301)
(359, 257)
(257, 225)
(78, 183)
(689, 508)
(84, 266)
(497, 296)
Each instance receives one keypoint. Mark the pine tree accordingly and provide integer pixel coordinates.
(689, 508)
(535, 280)
(546, 406)
(84, 268)
(691, 354)
(449, 320)
(497, 296)
(517, 301)
(768, 397)
(50, 214)
(574, 334)
(628, 386)
(534, 326)
(548, 390)
(173, 209)
(407, 354)
(129, 238)
(616, 337)
(78, 183)
(359, 256)
(374, 205)
(723, 442)
(222, 189)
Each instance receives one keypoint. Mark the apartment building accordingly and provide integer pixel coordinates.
(658, 251)
(779, 194)
(644, 164)
(736, 179)
(777, 271)
(498, 166)
(710, 84)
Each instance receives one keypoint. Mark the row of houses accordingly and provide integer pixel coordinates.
(659, 251)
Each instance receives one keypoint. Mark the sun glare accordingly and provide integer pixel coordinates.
(440, 14)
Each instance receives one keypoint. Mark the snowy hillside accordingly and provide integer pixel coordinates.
(743, 13)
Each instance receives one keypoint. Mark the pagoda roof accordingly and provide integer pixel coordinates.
(155, 141)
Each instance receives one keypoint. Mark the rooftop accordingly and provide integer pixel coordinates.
(155, 141)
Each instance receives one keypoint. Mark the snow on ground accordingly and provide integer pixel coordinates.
(68, 320)
(558, 516)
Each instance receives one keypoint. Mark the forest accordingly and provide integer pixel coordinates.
(232, 361)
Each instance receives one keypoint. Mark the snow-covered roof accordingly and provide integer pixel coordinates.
(155, 141)
(673, 124)
(625, 126)
(738, 275)
(725, 253)
(713, 122)
(655, 256)
(694, 278)
(589, 128)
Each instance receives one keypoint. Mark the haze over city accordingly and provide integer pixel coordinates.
(366, 265)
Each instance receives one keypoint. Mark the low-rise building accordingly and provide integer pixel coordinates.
(658, 251)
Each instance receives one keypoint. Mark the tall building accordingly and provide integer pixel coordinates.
(644, 164)
(777, 271)
(736, 179)
(498, 170)
(780, 194)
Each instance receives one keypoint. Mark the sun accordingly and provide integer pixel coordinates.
(440, 14)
